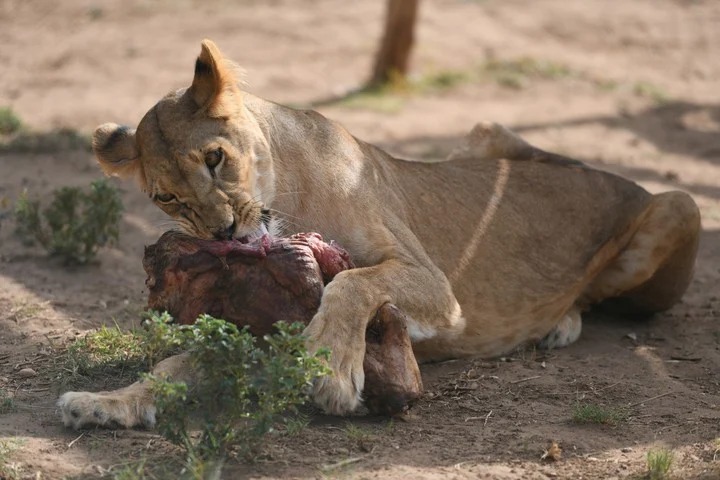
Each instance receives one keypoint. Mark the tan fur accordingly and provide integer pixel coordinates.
(500, 245)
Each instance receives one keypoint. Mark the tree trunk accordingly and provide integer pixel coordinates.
(392, 58)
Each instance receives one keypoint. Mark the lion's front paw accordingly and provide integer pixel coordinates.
(84, 409)
(340, 392)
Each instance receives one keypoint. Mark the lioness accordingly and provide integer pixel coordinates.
(500, 245)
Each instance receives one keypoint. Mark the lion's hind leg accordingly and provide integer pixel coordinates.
(132, 406)
(652, 273)
(491, 141)
(567, 331)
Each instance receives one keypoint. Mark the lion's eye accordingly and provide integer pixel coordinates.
(165, 197)
(214, 157)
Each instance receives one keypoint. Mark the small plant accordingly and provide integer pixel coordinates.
(384, 99)
(362, 437)
(160, 338)
(25, 309)
(659, 461)
(516, 73)
(441, 80)
(605, 85)
(108, 354)
(9, 470)
(75, 224)
(130, 471)
(109, 346)
(159, 466)
(243, 389)
(9, 122)
(96, 13)
(390, 97)
(589, 413)
(294, 425)
(113, 354)
(7, 403)
(651, 91)
(357, 434)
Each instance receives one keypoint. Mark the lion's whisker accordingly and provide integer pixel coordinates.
(283, 214)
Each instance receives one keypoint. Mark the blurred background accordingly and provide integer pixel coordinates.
(77, 63)
(629, 84)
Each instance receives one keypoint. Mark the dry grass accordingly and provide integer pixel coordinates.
(62, 139)
(26, 309)
(651, 91)
(296, 425)
(392, 96)
(8, 469)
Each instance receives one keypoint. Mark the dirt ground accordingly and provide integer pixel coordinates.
(631, 87)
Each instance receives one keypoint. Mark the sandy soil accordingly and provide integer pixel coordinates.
(639, 96)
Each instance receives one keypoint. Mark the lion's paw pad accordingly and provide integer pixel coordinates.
(84, 409)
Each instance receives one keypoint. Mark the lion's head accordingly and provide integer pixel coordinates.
(198, 153)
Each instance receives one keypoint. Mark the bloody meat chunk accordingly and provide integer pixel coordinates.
(257, 283)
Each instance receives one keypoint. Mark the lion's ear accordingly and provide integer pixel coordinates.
(214, 88)
(116, 150)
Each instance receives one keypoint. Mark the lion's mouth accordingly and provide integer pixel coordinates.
(259, 233)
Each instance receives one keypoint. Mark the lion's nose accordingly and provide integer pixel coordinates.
(226, 233)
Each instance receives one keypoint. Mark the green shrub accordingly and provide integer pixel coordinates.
(245, 385)
(7, 403)
(243, 389)
(9, 122)
(590, 413)
(75, 224)
(110, 357)
(659, 461)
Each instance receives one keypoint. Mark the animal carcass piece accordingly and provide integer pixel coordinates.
(257, 283)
